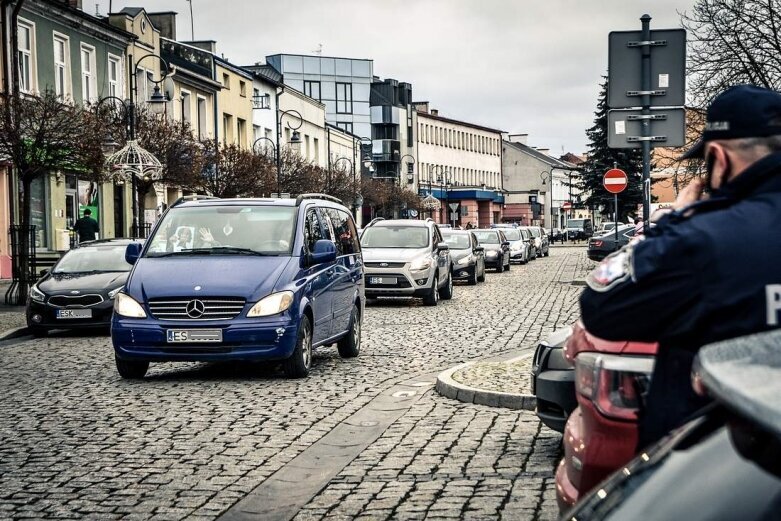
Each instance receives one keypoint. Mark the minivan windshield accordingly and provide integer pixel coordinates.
(512, 234)
(393, 236)
(94, 259)
(457, 241)
(535, 232)
(487, 237)
(575, 223)
(225, 230)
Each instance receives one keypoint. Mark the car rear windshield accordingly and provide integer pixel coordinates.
(457, 241)
(486, 237)
(395, 237)
(94, 259)
(268, 230)
(535, 232)
(575, 223)
(512, 234)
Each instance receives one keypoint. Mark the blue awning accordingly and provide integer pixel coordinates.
(455, 194)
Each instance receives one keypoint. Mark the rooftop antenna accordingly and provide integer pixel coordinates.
(97, 10)
(319, 50)
(192, 23)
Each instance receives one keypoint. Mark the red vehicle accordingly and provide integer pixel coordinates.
(611, 382)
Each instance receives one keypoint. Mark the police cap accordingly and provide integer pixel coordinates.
(740, 112)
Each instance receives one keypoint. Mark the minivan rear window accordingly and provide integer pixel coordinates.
(213, 229)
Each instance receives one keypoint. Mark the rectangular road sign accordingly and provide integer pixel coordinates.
(668, 68)
(625, 128)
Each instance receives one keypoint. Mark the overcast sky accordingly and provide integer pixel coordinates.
(522, 66)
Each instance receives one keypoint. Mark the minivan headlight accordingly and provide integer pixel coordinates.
(272, 304)
(126, 306)
(491, 253)
(36, 294)
(420, 264)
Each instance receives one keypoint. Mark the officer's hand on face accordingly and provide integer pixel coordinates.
(691, 194)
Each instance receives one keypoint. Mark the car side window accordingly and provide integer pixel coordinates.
(312, 230)
(350, 238)
(437, 236)
(342, 231)
(328, 225)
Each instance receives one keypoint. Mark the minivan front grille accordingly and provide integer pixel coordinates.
(207, 308)
(384, 264)
(75, 301)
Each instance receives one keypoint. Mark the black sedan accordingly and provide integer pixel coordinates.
(497, 248)
(466, 254)
(553, 381)
(603, 245)
(723, 465)
(79, 290)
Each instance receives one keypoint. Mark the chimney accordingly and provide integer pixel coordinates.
(165, 23)
(518, 138)
(74, 4)
(206, 45)
(421, 106)
(434, 112)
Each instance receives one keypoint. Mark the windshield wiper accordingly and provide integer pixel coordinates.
(215, 250)
(235, 249)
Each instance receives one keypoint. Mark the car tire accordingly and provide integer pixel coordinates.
(432, 297)
(131, 369)
(507, 268)
(38, 332)
(481, 278)
(500, 267)
(474, 279)
(447, 289)
(298, 364)
(349, 345)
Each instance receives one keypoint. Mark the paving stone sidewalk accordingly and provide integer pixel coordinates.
(512, 377)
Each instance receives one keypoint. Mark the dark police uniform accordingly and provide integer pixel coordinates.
(709, 272)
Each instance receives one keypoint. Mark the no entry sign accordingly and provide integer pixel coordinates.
(615, 181)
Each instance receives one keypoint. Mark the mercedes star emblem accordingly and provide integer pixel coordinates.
(195, 309)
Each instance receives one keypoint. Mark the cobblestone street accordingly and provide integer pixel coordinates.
(191, 440)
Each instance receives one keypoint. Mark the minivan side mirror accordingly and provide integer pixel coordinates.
(442, 246)
(479, 249)
(505, 243)
(132, 252)
(324, 251)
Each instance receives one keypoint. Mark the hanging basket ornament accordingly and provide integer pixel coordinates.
(430, 203)
(134, 160)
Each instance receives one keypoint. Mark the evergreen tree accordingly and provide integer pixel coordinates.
(601, 159)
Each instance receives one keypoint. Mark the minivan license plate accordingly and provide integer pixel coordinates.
(382, 280)
(176, 336)
(74, 313)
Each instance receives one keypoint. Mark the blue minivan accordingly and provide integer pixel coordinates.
(242, 279)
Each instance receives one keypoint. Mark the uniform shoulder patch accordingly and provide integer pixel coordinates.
(613, 270)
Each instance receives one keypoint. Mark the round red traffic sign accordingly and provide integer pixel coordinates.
(615, 181)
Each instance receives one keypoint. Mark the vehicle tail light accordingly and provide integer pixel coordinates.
(596, 243)
(616, 384)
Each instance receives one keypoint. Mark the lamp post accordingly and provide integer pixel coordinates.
(443, 178)
(549, 175)
(352, 169)
(295, 139)
(132, 159)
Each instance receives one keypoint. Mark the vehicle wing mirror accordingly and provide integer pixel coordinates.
(132, 252)
(442, 246)
(324, 251)
(479, 249)
(505, 243)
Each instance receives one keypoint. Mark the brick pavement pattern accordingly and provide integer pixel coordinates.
(76, 441)
(502, 377)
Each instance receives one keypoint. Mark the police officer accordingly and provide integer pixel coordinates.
(710, 269)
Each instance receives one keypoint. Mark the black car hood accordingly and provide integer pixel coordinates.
(55, 283)
(491, 247)
(456, 255)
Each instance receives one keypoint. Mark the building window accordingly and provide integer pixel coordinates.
(242, 89)
(186, 109)
(26, 44)
(344, 98)
(201, 108)
(226, 81)
(114, 76)
(61, 68)
(89, 83)
(227, 128)
(241, 126)
(316, 145)
(345, 125)
(312, 89)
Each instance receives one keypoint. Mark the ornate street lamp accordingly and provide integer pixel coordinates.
(295, 140)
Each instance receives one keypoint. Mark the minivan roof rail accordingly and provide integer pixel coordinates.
(193, 197)
(325, 197)
(376, 219)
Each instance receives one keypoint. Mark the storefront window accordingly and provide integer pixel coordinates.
(38, 211)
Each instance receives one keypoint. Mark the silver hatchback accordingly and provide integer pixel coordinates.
(406, 258)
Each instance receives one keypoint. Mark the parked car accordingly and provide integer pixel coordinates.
(78, 292)
(601, 434)
(553, 380)
(557, 235)
(497, 248)
(722, 465)
(579, 229)
(407, 258)
(605, 244)
(242, 279)
(608, 226)
(466, 254)
(520, 244)
(541, 241)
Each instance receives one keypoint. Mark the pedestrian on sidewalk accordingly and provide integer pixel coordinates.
(87, 228)
(683, 285)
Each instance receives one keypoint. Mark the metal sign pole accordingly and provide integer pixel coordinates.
(646, 126)
(615, 216)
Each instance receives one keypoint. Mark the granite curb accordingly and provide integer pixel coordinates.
(15, 332)
(450, 388)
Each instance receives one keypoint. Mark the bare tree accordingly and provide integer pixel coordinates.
(732, 42)
(40, 135)
(231, 171)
